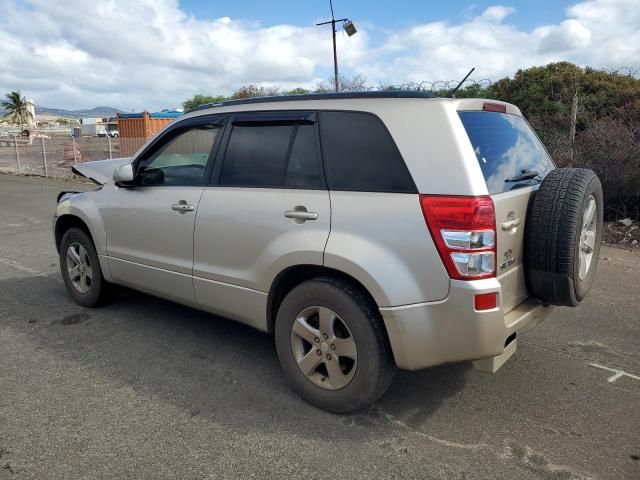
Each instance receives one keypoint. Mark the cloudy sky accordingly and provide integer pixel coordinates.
(152, 54)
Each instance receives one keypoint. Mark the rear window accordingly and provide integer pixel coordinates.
(506, 147)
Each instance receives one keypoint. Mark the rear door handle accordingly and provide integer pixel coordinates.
(509, 224)
(301, 215)
(182, 207)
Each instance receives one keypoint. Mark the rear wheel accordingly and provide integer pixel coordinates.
(332, 345)
(81, 271)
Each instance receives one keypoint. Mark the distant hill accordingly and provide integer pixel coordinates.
(97, 112)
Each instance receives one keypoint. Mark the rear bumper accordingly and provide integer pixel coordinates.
(451, 330)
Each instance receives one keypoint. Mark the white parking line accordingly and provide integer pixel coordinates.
(617, 373)
(32, 271)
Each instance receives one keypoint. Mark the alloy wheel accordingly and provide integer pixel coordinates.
(79, 267)
(587, 237)
(324, 348)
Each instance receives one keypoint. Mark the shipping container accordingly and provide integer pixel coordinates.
(136, 128)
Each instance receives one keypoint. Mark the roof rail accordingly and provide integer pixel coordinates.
(320, 96)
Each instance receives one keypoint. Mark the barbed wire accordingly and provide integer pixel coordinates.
(432, 86)
(435, 86)
(633, 72)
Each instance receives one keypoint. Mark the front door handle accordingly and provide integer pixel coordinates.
(510, 224)
(300, 214)
(182, 207)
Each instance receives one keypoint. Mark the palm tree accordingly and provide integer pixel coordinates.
(16, 109)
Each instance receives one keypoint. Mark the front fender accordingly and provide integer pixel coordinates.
(82, 206)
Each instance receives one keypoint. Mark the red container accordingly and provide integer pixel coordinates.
(135, 130)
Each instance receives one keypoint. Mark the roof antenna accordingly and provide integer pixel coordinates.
(453, 92)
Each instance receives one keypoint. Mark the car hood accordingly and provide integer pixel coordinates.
(100, 171)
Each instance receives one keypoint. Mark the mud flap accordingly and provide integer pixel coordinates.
(491, 365)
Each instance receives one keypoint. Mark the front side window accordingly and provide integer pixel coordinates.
(180, 161)
(276, 155)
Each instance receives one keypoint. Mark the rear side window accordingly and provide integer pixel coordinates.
(263, 155)
(360, 154)
(506, 148)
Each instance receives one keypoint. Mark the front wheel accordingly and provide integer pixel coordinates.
(332, 345)
(81, 271)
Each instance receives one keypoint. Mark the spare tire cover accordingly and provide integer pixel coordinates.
(562, 236)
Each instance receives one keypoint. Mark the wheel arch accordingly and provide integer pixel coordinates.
(67, 221)
(293, 276)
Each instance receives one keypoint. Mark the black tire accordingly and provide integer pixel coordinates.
(553, 236)
(375, 368)
(100, 291)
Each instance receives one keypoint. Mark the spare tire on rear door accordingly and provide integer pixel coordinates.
(562, 236)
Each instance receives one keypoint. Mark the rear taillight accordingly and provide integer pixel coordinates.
(464, 231)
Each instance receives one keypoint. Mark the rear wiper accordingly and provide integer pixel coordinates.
(525, 175)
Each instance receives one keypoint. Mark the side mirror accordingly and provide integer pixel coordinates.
(123, 174)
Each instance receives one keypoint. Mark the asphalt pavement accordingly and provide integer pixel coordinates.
(147, 389)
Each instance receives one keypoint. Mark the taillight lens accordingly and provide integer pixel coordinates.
(485, 301)
(464, 231)
(494, 107)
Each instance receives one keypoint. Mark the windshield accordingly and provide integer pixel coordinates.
(506, 148)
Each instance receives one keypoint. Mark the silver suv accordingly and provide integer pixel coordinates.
(368, 231)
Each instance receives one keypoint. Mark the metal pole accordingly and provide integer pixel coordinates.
(15, 142)
(73, 141)
(44, 157)
(109, 140)
(574, 117)
(333, 22)
(335, 54)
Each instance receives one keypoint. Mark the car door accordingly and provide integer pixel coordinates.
(266, 210)
(150, 222)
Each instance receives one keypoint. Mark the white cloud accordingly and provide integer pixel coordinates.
(598, 33)
(151, 54)
(568, 35)
(497, 13)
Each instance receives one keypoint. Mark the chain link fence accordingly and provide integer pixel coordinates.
(52, 154)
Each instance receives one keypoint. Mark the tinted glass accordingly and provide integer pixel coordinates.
(303, 170)
(505, 147)
(256, 155)
(181, 161)
(361, 154)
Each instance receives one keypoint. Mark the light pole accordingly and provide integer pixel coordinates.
(349, 27)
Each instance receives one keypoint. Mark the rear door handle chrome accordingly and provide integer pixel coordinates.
(301, 215)
(509, 224)
(182, 207)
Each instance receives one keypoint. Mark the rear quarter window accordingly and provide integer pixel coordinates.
(360, 154)
(505, 147)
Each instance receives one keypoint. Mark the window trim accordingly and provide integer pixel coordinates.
(270, 117)
(325, 161)
(171, 132)
(285, 117)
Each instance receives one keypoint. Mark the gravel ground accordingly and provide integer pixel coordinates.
(144, 388)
